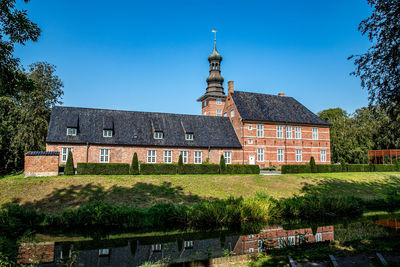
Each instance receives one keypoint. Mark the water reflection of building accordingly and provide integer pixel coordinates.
(277, 237)
(394, 223)
(135, 252)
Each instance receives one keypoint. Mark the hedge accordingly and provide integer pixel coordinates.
(158, 168)
(242, 169)
(303, 168)
(323, 168)
(201, 169)
(102, 168)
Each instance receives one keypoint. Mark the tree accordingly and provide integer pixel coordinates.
(180, 165)
(135, 164)
(69, 166)
(222, 166)
(15, 28)
(379, 67)
(312, 164)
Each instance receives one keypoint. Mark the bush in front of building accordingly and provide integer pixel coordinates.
(242, 169)
(69, 166)
(222, 165)
(135, 165)
(103, 168)
(201, 168)
(359, 168)
(161, 168)
(299, 168)
(180, 165)
(313, 165)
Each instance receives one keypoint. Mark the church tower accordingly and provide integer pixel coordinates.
(213, 101)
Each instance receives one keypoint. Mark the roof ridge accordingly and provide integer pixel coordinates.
(255, 93)
(146, 112)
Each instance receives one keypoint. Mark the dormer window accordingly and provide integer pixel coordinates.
(189, 136)
(158, 135)
(72, 131)
(107, 133)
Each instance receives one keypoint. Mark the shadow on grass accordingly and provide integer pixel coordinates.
(362, 189)
(140, 195)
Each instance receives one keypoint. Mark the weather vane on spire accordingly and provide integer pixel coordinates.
(215, 36)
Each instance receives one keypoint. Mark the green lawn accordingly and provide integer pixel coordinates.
(52, 194)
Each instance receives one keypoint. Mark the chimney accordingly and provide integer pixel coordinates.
(230, 87)
(281, 94)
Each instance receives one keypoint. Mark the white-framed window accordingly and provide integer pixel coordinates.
(291, 240)
(251, 250)
(225, 114)
(281, 242)
(167, 156)
(184, 156)
(189, 136)
(250, 141)
(250, 127)
(205, 113)
(251, 236)
(315, 133)
(72, 131)
(188, 244)
(299, 155)
(156, 247)
(219, 102)
(107, 133)
(297, 132)
(280, 155)
(259, 243)
(260, 154)
(151, 156)
(318, 237)
(288, 132)
(232, 113)
(279, 131)
(198, 157)
(228, 157)
(104, 155)
(219, 112)
(323, 155)
(205, 103)
(64, 153)
(300, 239)
(158, 135)
(260, 130)
(104, 252)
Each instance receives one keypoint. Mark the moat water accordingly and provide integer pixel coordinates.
(99, 248)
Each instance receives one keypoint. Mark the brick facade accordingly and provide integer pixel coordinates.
(41, 165)
(212, 106)
(123, 154)
(247, 134)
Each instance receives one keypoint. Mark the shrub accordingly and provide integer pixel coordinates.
(312, 165)
(180, 165)
(301, 168)
(336, 168)
(358, 168)
(103, 168)
(385, 168)
(135, 165)
(201, 168)
(396, 164)
(323, 168)
(162, 168)
(343, 164)
(242, 169)
(222, 166)
(69, 166)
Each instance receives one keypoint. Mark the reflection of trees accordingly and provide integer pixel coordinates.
(359, 230)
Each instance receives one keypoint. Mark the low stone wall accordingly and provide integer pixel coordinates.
(41, 163)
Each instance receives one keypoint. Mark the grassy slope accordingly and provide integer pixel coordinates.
(52, 194)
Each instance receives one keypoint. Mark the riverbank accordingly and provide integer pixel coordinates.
(52, 194)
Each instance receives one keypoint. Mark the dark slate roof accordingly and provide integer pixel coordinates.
(273, 108)
(136, 128)
(42, 153)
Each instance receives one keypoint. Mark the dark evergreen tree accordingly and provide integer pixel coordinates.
(222, 165)
(312, 165)
(135, 164)
(69, 166)
(180, 165)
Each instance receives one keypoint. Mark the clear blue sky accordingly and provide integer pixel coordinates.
(152, 55)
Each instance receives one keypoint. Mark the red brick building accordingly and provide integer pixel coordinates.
(247, 128)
